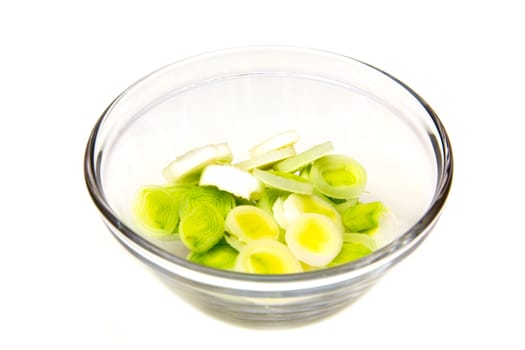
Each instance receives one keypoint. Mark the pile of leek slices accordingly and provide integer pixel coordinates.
(277, 212)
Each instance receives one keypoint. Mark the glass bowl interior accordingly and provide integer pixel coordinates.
(242, 96)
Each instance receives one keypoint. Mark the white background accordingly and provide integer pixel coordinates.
(67, 284)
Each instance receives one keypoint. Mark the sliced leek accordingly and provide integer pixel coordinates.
(234, 242)
(363, 217)
(178, 191)
(198, 196)
(303, 214)
(221, 256)
(338, 176)
(355, 246)
(314, 239)
(157, 211)
(307, 267)
(302, 159)
(247, 223)
(268, 198)
(297, 204)
(189, 179)
(223, 153)
(284, 181)
(201, 227)
(193, 161)
(360, 238)
(343, 206)
(277, 141)
(233, 180)
(278, 213)
(203, 210)
(265, 160)
(305, 172)
(267, 256)
(385, 233)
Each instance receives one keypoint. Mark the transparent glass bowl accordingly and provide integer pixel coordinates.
(242, 96)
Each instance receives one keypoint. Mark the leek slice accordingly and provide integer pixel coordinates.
(178, 191)
(350, 252)
(284, 181)
(234, 242)
(268, 198)
(197, 196)
(193, 161)
(387, 230)
(343, 206)
(302, 159)
(363, 217)
(307, 267)
(233, 180)
(297, 204)
(201, 227)
(267, 256)
(265, 160)
(244, 201)
(221, 256)
(223, 152)
(314, 239)
(189, 179)
(247, 223)
(202, 212)
(281, 140)
(338, 176)
(157, 211)
(305, 172)
(360, 238)
(278, 213)
(355, 246)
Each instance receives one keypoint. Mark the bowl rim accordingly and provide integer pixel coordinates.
(167, 261)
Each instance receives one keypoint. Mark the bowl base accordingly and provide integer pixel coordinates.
(263, 313)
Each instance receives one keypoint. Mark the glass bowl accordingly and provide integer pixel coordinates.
(243, 96)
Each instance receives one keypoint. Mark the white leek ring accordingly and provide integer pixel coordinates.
(314, 239)
(267, 256)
